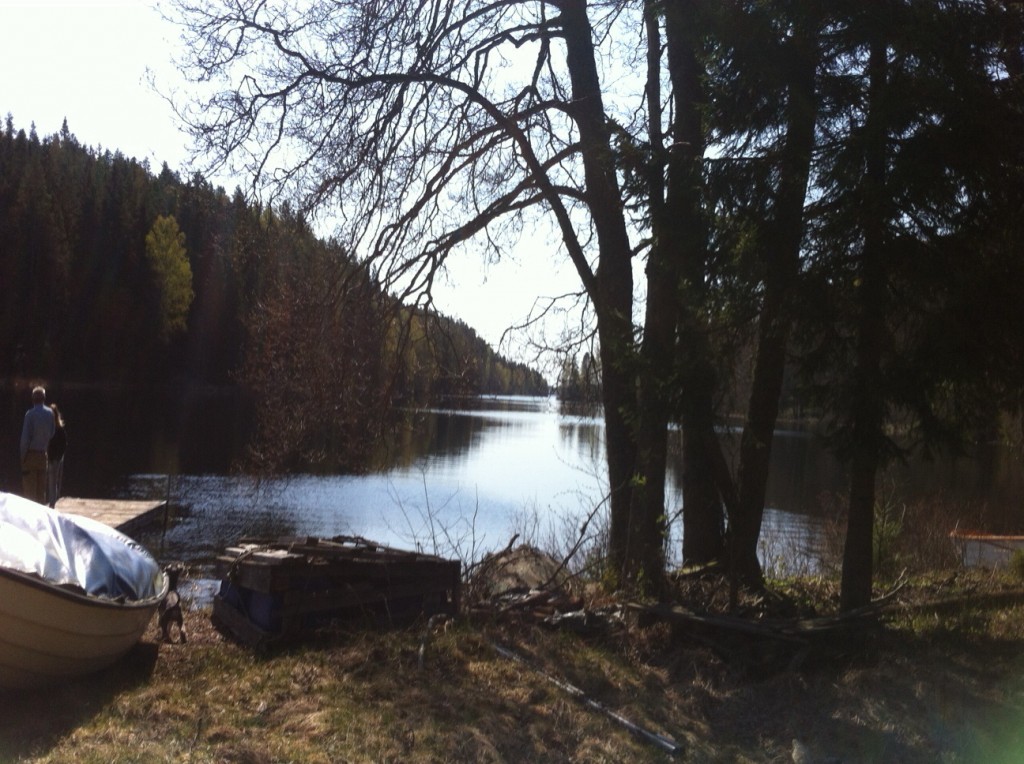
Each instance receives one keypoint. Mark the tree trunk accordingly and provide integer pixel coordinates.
(685, 236)
(703, 516)
(647, 526)
(858, 566)
(620, 453)
(867, 404)
(781, 259)
(647, 509)
(755, 452)
(612, 294)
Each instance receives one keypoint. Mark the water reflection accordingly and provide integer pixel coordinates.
(458, 479)
(464, 483)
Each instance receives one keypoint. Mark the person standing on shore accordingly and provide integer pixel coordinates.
(36, 431)
(55, 457)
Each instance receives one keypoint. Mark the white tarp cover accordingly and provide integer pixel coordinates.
(73, 550)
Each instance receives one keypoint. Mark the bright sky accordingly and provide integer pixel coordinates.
(87, 61)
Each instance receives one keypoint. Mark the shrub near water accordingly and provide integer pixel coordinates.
(908, 536)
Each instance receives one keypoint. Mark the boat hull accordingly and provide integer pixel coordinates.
(49, 633)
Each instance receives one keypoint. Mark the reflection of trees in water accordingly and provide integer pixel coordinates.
(114, 434)
(581, 427)
(804, 474)
(588, 409)
(420, 434)
(583, 437)
(453, 433)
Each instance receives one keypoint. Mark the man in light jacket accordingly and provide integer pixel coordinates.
(36, 432)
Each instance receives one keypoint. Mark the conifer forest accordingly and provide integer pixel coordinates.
(118, 276)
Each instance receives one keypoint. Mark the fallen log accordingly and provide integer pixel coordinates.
(680, 615)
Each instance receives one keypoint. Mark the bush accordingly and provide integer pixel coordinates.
(908, 535)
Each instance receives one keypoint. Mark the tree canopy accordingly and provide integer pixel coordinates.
(167, 256)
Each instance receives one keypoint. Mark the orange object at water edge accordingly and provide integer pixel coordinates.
(989, 550)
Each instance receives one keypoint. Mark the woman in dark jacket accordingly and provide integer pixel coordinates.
(55, 457)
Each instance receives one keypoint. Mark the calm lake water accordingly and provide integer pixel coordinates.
(463, 481)
(497, 466)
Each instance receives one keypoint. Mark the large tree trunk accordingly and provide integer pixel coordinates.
(703, 515)
(685, 241)
(755, 452)
(647, 527)
(855, 590)
(647, 510)
(781, 258)
(618, 400)
(867, 404)
(612, 292)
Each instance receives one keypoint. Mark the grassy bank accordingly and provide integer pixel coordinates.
(939, 681)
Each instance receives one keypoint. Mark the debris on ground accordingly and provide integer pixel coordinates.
(526, 584)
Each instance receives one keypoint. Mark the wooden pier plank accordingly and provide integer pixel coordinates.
(122, 514)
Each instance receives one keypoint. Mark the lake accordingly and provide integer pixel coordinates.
(461, 481)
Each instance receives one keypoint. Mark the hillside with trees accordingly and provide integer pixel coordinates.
(116, 276)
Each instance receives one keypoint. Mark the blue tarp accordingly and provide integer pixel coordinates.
(74, 551)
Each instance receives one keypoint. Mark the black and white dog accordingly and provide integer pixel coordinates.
(170, 606)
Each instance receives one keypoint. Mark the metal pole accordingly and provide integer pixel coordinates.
(664, 743)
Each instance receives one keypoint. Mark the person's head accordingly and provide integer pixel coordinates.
(38, 394)
(56, 414)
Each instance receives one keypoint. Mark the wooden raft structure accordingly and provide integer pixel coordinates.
(285, 589)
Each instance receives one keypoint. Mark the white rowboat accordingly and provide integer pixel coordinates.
(75, 595)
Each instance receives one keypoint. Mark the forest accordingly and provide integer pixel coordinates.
(115, 276)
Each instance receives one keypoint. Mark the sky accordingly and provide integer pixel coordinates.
(87, 61)
(90, 61)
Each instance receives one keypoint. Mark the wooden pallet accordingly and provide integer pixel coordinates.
(287, 588)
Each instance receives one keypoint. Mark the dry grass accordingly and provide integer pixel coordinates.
(936, 684)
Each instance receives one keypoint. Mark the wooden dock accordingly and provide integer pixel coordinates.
(127, 516)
